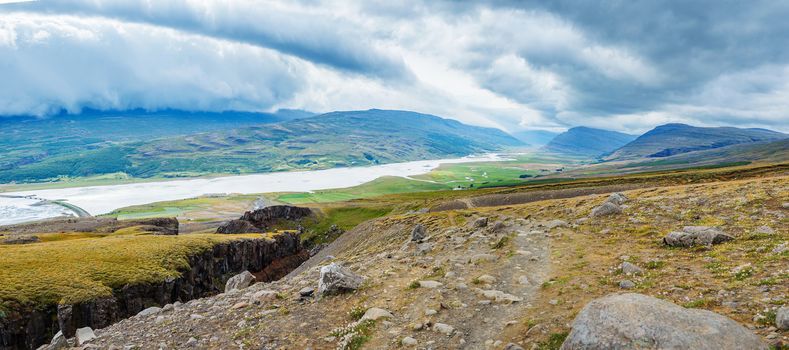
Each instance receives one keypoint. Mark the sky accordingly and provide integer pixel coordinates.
(514, 65)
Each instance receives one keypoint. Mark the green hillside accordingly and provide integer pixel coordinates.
(587, 142)
(672, 139)
(336, 139)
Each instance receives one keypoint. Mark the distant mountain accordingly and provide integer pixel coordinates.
(535, 137)
(587, 142)
(329, 140)
(672, 139)
(763, 151)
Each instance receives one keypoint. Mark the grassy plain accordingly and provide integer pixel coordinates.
(82, 266)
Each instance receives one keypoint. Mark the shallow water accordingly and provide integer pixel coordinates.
(18, 210)
(104, 199)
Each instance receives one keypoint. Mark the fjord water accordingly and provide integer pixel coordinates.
(98, 200)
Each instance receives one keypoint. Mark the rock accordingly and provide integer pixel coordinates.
(524, 280)
(430, 284)
(487, 279)
(626, 284)
(21, 240)
(556, 223)
(58, 342)
(84, 335)
(764, 230)
(149, 311)
(191, 342)
(430, 312)
(423, 248)
(240, 281)
(499, 296)
(498, 226)
(408, 341)
(606, 209)
(785, 205)
(237, 226)
(375, 313)
(263, 296)
(480, 222)
(779, 249)
(418, 233)
(696, 235)
(630, 269)
(335, 279)
(636, 321)
(478, 258)
(306, 292)
(782, 318)
(513, 346)
(617, 198)
(444, 328)
(262, 220)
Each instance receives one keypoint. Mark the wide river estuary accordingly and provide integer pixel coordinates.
(17, 207)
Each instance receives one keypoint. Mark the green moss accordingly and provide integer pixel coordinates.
(74, 270)
(554, 341)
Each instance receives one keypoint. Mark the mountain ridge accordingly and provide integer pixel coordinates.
(677, 138)
(587, 142)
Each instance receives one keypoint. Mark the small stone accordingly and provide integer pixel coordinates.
(423, 248)
(524, 280)
(240, 305)
(765, 230)
(782, 318)
(513, 346)
(58, 342)
(481, 222)
(630, 269)
(617, 198)
(263, 296)
(196, 317)
(408, 341)
(306, 292)
(430, 284)
(375, 313)
(478, 258)
(240, 281)
(430, 312)
(444, 328)
(606, 209)
(149, 311)
(553, 302)
(418, 233)
(191, 342)
(487, 279)
(556, 223)
(84, 335)
(626, 284)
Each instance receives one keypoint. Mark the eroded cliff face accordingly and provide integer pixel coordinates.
(262, 220)
(268, 259)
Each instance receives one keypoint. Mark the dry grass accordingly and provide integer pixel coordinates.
(585, 259)
(68, 268)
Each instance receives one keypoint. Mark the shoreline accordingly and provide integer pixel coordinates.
(97, 200)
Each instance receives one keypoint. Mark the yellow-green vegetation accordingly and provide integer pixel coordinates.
(69, 270)
(192, 207)
(585, 260)
(344, 218)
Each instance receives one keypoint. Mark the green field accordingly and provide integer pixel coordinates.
(85, 266)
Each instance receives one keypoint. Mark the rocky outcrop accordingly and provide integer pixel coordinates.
(267, 259)
(265, 219)
(696, 235)
(637, 321)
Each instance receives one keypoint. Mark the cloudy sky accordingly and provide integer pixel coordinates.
(623, 65)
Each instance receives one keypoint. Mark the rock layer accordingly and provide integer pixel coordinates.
(267, 259)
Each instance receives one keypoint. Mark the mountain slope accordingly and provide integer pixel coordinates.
(330, 140)
(587, 142)
(672, 139)
(535, 137)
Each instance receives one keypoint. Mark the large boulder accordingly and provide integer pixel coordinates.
(606, 209)
(240, 281)
(696, 235)
(238, 226)
(637, 321)
(336, 279)
(617, 198)
(262, 220)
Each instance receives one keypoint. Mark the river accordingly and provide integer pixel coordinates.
(98, 200)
